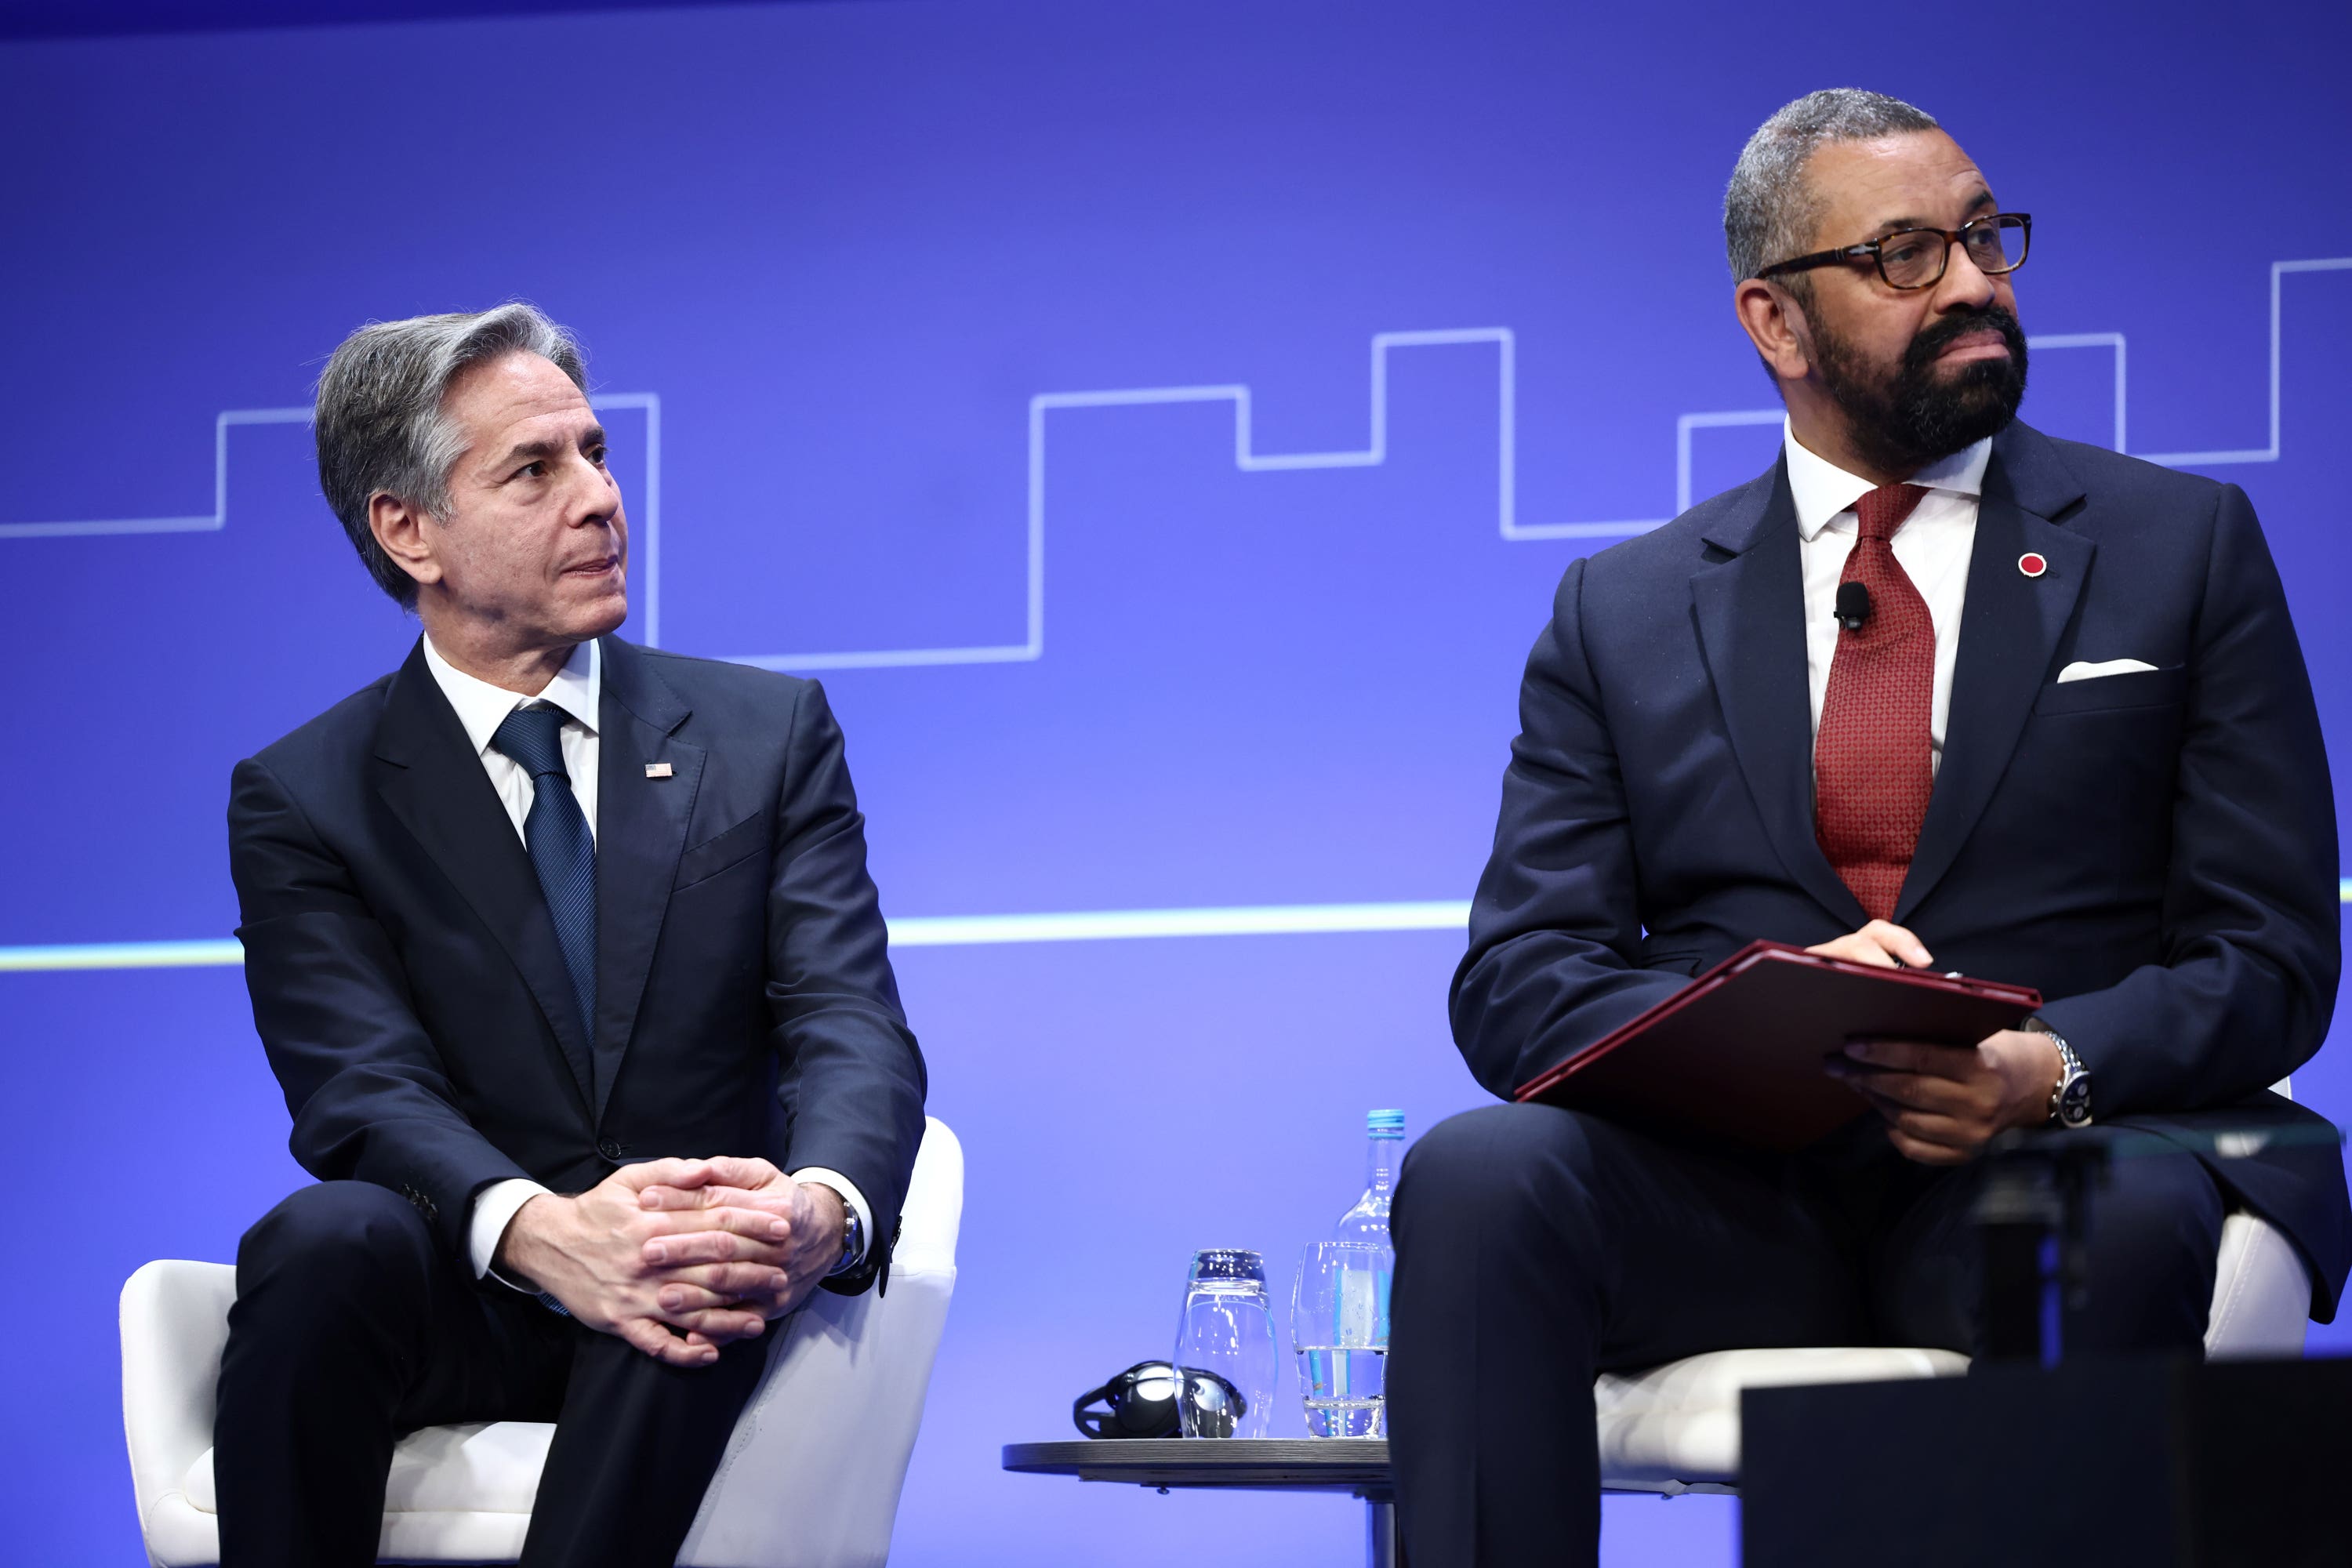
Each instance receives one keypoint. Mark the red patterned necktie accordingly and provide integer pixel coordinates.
(1872, 768)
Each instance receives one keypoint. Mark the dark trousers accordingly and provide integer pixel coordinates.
(1537, 1247)
(354, 1326)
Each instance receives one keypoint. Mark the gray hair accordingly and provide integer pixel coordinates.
(1769, 209)
(379, 422)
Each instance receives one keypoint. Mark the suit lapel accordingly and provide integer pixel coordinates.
(427, 773)
(2010, 628)
(1750, 612)
(641, 828)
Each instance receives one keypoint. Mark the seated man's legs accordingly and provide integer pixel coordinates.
(351, 1326)
(1537, 1247)
(634, 1449)
(2155, 1236)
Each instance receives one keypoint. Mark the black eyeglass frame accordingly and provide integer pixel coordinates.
(1874, 248)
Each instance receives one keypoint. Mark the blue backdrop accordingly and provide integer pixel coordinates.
(1162, 426)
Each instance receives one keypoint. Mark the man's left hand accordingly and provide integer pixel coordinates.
(814, 1213)
(1943, 1103)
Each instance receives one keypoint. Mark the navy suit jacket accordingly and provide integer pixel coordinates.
(2154, 852)
(406, 980)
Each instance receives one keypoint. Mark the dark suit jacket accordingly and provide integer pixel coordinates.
(406, 980)
(2156, 852)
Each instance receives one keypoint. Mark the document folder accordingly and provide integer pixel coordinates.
(1738, 1055)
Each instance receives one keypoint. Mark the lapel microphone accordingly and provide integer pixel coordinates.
(1853, 605)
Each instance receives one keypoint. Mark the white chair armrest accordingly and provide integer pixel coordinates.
(812, 1474)
(2262, 1293)
(175, 1320)
(932, 1215)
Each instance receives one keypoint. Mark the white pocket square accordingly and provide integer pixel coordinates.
(2079, 670)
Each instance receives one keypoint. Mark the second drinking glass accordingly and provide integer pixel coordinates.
(1227, 1332)
(1339, 1327)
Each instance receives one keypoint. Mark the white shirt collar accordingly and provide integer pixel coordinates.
(482, 708)
(1822, 490)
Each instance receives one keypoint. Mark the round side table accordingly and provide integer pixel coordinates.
(1356, 1466)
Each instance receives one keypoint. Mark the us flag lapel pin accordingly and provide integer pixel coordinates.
(656, 770)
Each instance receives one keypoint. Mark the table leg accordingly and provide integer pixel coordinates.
(1381, 1550)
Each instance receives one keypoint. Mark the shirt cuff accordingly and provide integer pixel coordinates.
(494, 1210)
(850, 1196)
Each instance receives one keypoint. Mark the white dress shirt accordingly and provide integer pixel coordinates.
(1933, 547)
(577, 688)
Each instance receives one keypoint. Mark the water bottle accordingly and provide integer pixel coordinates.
(1346, 1394)
(1366, 1224)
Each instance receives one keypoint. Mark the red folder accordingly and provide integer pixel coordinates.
(1738, 1054)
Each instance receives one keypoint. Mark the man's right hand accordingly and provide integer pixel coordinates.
(1880, 942)
(588, 1252)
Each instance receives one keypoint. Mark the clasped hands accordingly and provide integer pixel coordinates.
(678, 1257)
(1941, 1103)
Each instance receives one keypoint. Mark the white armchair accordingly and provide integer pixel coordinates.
(791, 1492)
(1675, 1428)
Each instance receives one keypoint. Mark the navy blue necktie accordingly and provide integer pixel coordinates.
(563, 851)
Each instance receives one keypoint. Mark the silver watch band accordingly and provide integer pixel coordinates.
(852, 1237)
(2070, 1073)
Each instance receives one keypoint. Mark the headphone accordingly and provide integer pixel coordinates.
(1141, 1402)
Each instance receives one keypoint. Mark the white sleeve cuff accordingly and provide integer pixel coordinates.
(494, 1210)
(850, 1196)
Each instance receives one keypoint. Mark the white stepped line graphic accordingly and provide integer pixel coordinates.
(1249, 460)
(2270, 454)
(648, 553)
(1246, 459)
(216, 519)
(1101, 925)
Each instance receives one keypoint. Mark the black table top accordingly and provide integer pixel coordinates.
(1356, 1466)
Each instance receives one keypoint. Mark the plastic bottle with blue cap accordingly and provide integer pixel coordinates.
(1366, 1224)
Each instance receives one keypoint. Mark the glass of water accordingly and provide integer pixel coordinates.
(1339, 1327)
(1224, 1345)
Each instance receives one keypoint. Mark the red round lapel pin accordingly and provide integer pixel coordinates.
(2032, 565)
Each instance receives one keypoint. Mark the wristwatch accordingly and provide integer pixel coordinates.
(853, 1237)
(2070, 1103)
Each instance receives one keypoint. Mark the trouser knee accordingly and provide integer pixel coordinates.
(1520, 1169)
(2155, 1239)
(333, 1247)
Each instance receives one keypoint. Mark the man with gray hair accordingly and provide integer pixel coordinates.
(1935, 689)
(563, 951)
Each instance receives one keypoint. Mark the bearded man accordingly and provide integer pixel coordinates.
(2072, 746)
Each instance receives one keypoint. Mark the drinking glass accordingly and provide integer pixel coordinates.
(1227, 1332)
(1340, 1329)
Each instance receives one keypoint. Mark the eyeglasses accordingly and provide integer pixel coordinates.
(1915, 257)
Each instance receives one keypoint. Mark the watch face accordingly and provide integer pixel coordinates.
(2075, 1100)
